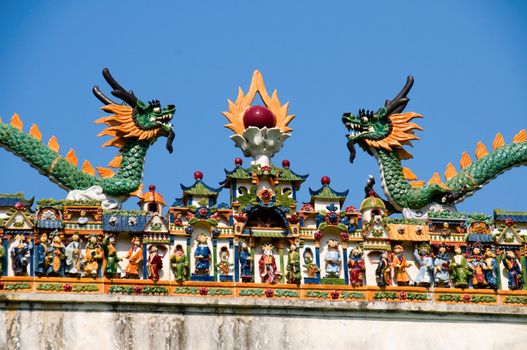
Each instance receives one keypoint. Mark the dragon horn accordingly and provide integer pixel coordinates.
(399, 102)
(102, 97)
(118, 91)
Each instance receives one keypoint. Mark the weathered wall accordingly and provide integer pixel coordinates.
(50, 321)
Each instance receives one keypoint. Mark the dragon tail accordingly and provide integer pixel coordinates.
(476, 173)
(45, 158)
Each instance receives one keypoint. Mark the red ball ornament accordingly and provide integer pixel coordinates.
(198, 175)
(286, 163)
(259, 116)
(238, 161)
(325, 180)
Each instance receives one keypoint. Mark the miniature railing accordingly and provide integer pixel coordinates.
(343, 293)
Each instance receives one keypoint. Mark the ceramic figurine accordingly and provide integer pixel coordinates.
(202, 255)
(246, 263)
(20, 255)
(224, 265)
(41, 248)
(179, 264)
(294, 275)
(425, 277)
(135, 258)
(356, 267)
(441, 273)
(154, 263)
(399, 265)
(477, 265)
(73, 256)
(92, 256)
(311, 267)
(2, 254)
(383, 273)
(55, 256)
(515, 272)
(490, 268)
(267, 265)
(110, 254)
(460, 269)
(333, 259)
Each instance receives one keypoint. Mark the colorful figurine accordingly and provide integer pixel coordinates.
(514, 268)
(202, 255)
(383, 272)
(110, 254)
(490, 268)
(41, 249)
(224, 265)
(135, 258)
(73, 256)
(154, 263)
(179, 264)
(246, 263)
(460, 269)
(267, 265)
(311, 267)
(2, 254)
(477, 265)
(441, 273)
(399, 265)
(294, 275)
(55, 256)
(425, 277)
(93, 256)
(356, 267)
(20, 254)
(333, 259)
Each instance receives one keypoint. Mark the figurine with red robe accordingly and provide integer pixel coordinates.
(267, 265)
(356, 267)
(155, 264)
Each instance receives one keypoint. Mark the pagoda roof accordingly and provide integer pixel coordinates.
(9, 200)
(199, 188)
(372, 202)
(516, 216)
(284, 174)
(152, 196)
(326, 192)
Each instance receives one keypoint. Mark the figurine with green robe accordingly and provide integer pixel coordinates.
(294, 274)
(179, 264)
(460, 269)
(110, 254)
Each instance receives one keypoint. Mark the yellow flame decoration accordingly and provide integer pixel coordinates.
(16, 122)
(244, 101)
(498, 141)
(521, 136)
(87, 168)
(72, 157)
(35, 132)
(481, 150)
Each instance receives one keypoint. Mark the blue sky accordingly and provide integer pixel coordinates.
(325, 58)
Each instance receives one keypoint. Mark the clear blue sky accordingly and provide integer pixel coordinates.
(325, 58)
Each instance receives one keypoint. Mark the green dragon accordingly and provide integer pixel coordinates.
(134, 127)
(384, 133)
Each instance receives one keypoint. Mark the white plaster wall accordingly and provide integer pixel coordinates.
(322, 204)
(256, 325)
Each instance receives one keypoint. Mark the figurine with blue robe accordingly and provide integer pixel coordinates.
(246, 266)
(426, 266)
(202, 255)
(333, 260)
(41, 249)
(514, 268)
(441, 264)
(491, 269)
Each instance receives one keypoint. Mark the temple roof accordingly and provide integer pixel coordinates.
(152, 196)
(199, 188)
(327, 193)
(372, 202)
(516, 216)
(9, 200)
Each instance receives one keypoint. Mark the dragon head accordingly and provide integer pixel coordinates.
(136, 120)
(386, 129)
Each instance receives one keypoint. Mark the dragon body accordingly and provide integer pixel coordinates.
(384, 134)
(134, 127)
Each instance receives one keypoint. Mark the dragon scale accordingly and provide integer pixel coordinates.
(462, 185)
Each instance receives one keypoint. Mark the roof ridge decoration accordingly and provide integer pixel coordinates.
(258, 131)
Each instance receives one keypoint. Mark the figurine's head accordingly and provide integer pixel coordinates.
(386, 129)
(442, 249)
(111, 240)
(202, 239)
(136, 241)
(398, 249)
(153, 249)
(476, 250)
(75, 237)
(356, 252)
(268, 249)
(458, 250)
(510, 254)
(93, 239)
(292, 247)
(333, 244)
(489, 253)
(43, 238)
(137, 121)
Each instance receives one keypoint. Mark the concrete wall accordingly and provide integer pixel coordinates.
(75, 321)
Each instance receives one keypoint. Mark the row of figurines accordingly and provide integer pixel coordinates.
(53, 258)
(474, 268)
